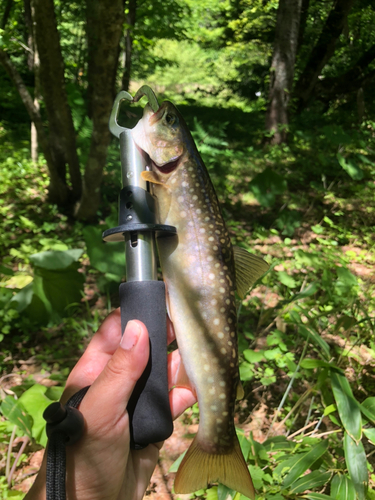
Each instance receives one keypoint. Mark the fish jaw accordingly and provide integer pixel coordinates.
(162, 141)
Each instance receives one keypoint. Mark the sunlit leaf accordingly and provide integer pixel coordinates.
(35, 402)
(317, 496)
(368, 408)
(342, 488)
(350, 167)
(356, 462)
(305, 461)
(55, 260)
(15, 412)
(347, 406)
(370, 434)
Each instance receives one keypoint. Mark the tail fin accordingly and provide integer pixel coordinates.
(199, 468)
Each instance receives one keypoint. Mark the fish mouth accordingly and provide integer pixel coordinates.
(155, 117)
(167, 168)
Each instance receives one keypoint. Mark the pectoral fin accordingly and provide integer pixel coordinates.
(249, 268)
(148, 175)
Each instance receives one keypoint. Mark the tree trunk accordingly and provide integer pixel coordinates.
(130, 22)
(104, 26)
(282, 68)
(57, 190)
(323, 51)
(6, 14)
(62, 133)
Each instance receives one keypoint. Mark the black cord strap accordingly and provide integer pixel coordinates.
(65, 426)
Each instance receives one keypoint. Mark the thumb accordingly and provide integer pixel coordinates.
(105, 402)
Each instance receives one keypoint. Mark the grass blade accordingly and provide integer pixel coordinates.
(342, 488)
(347, 406)
(313, 480)
(304, 462)
(356, 462)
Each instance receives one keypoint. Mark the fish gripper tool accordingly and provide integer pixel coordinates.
(142, 296)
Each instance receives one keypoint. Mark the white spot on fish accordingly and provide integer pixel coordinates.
(184, 184)
(215, 247)
(225, 413)
(198, 210)
(217, 264)
(202, 230)
(206, 368)
(173, 181)
(223, 350)
(219, 421)
(227, 328)
(214, 408)
(214, 302)
(220, 335)
(222, 396)
(227, 302)
(216, 320)
(222, 290)
(222, 383)
(212, 391)
(183, 214)
(222, 371)
(180, 199)
(211, 238)
(222, 309)
(210, 380)
(210, 258)
(212, 277)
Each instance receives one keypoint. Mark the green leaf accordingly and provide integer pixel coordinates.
(350, 167)
(253, 356)
(58, 289)
(246, 371)
(278, 443)
(15, 412)
(368, 408)
(310, 363)
(108, 258)
(6, 270)
(342, 488)
(347, 406)
(266, 186)
(370, 434)
(305, 461)
(174, 467)
(307, 292)
(317, 496)
(329, 409)
(313, 480)
(35, 402)
(314, 337)
(356, 462)
(55, 260)
(224, 493)
(244, 443)
(257, 475)
(286, 279)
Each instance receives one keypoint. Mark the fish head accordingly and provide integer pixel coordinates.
(163, 136)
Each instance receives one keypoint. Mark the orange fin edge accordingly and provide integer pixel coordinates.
(198, 469)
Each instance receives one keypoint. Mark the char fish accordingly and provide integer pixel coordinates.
(202, 271)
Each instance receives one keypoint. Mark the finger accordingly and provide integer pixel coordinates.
(170, 331)
(100, 350)
(115, 384)
(180, 399)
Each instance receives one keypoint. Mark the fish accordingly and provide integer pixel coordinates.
(202, 271)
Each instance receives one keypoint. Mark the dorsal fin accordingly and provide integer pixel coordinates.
(249, 268)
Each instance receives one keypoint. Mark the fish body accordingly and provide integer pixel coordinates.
(199, 272)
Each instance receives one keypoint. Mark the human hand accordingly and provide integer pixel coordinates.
(101, 466)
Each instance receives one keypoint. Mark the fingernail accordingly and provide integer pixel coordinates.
(131, 335)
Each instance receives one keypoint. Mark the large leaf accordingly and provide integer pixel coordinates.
(304, 462)
(266, 186)
(356, 462)
(347, 406)
(313, 480)
(342, 488)
(56, 260)
(370, 434)
(108, 258)
(35, 402)
(15, 412)
(350, 167)
(59, 288)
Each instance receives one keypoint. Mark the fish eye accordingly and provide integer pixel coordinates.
(170, 119)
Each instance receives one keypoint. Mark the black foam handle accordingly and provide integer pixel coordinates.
(149, 410)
